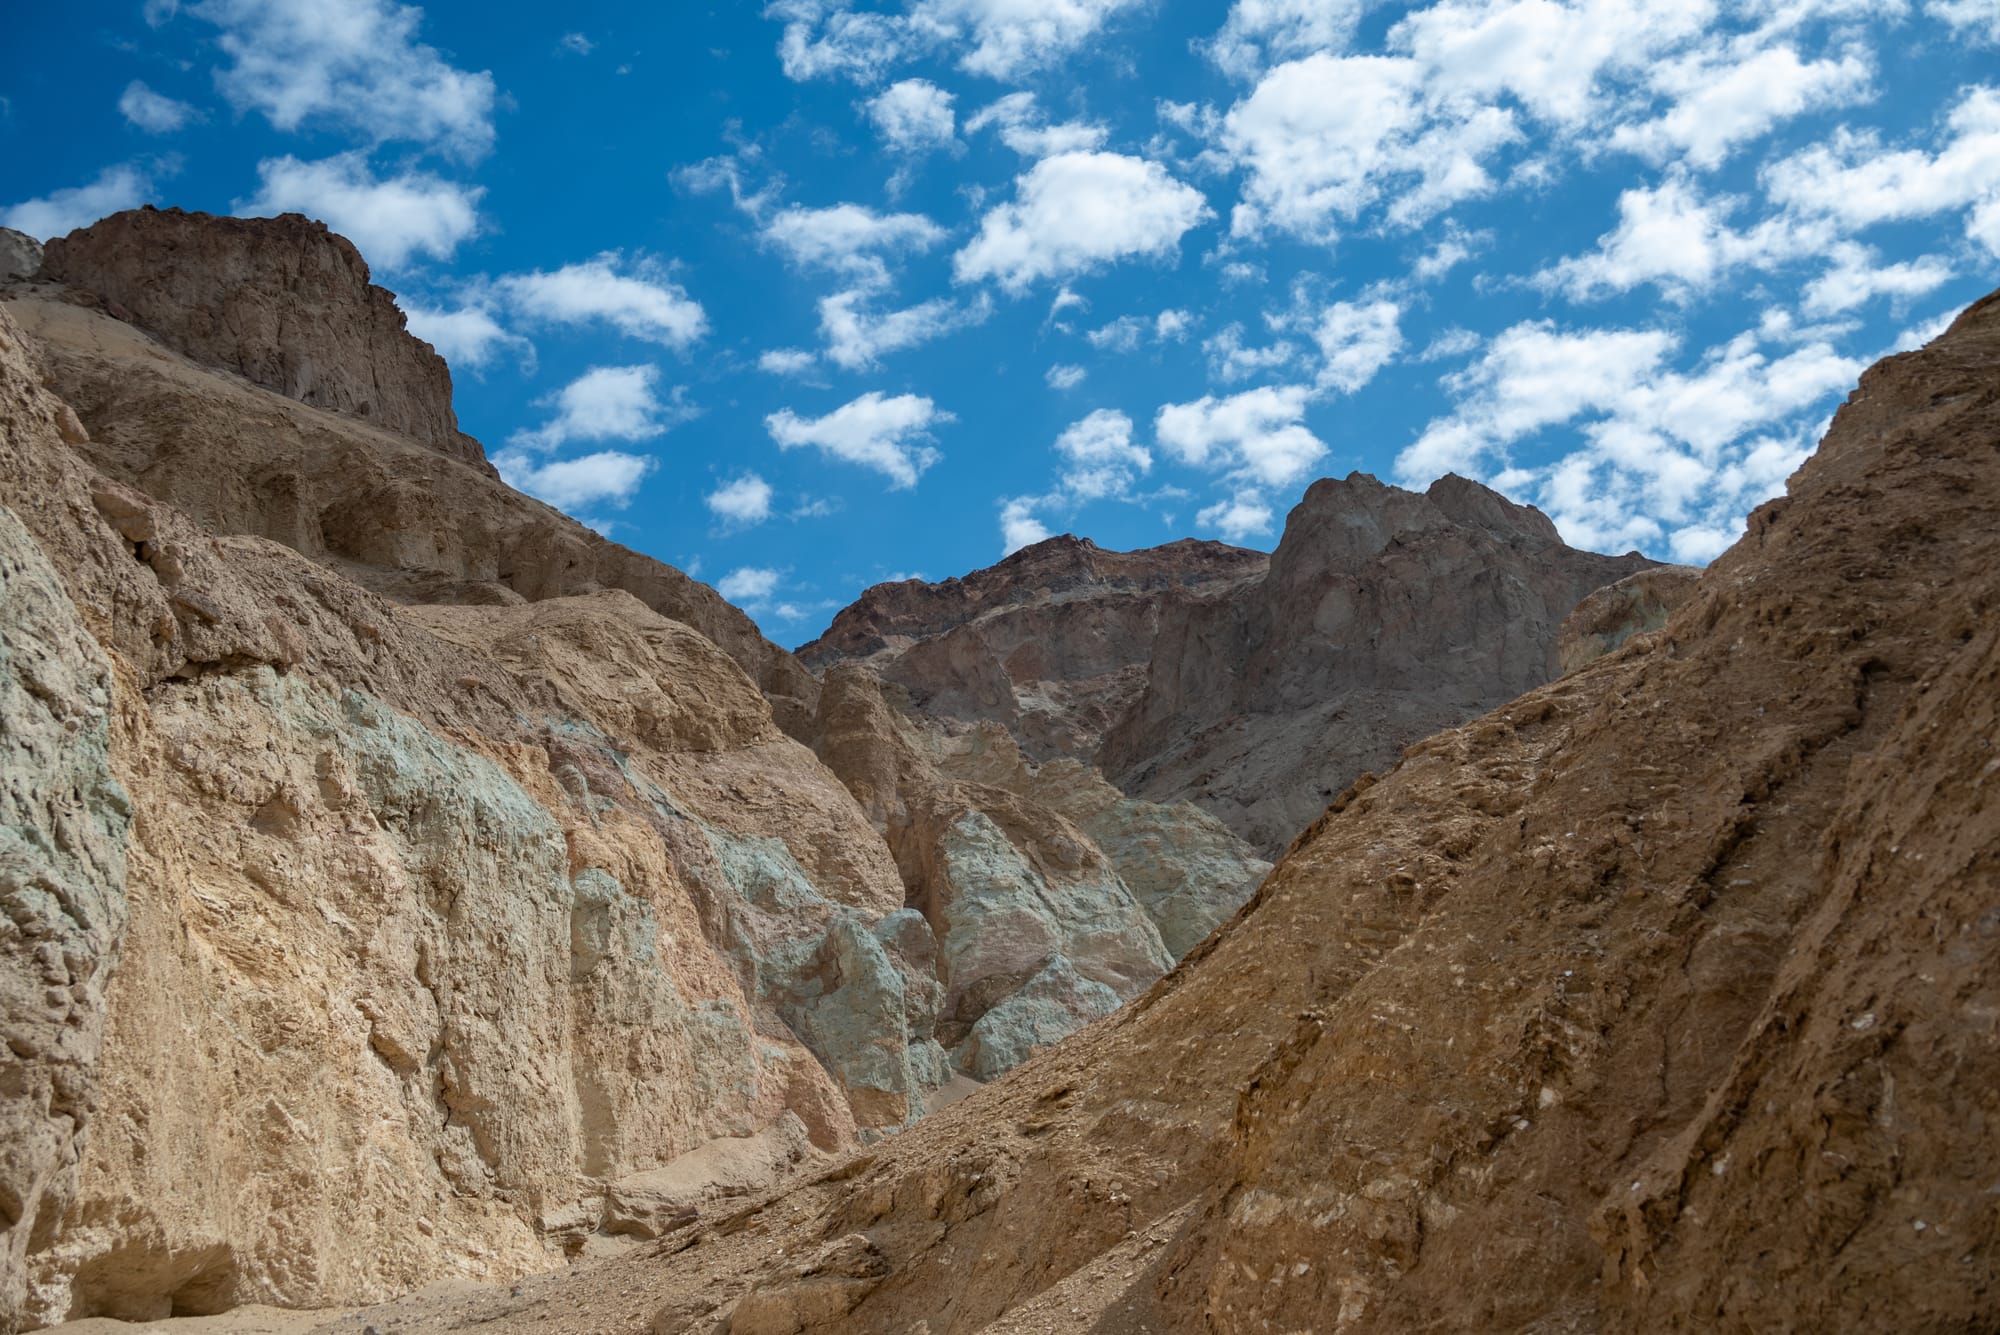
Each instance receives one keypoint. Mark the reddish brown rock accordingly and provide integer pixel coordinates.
(283, 302)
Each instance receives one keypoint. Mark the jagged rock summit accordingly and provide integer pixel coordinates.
(1663, 998)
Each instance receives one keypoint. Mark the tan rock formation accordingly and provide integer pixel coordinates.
(1663, 998)
(437, 926)
(283, 302)
(20, 254)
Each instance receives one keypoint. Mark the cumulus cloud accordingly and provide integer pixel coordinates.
(825, 39)
(1018, 526)
(1858, 182)
(1076, 211)
(155, 113)
(1670, 459)
(643, 303)
(1007, 38)
(1721, 103)
(1670, 236)
(1323, 138)
(1258, 32)
(1065, 376)
(356, 65)
(1099, 456)
(1237, 517)
(1022, 128)
(1357, 339)
(468, 338)
(849, 238)
(63, 211)
(787, 361)
(1979, 19)
(392, 219)
(1231, 359)
(1858, 276)
(913, 116)
(889, 435)
(608, 477)
(742, 501)
(858, 336)
(1258, 435)
(604, 403)
(749, 584)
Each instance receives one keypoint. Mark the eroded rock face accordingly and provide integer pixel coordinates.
(432, 923)
(1636, 605)
(1052, 642)
(283, 302)
(20, 254)
(64, 825)
(1385, 615)
(1666, 994)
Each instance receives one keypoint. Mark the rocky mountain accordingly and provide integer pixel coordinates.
(1254, 687)
(403, 881)
(1663, 998)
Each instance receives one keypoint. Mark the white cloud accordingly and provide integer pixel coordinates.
(1172, 324)
(888, 435)
(1858, 277)
(1720, 104)
(356, 64)
(577, 44)
(1669, 458)
(913, 116)
(1018, 526)
(1258, 435)
(1670, 236)
(643, 304)
(393, 220)
(604, 403)
(1453, 342)
(1357, 339)
(1012, 37)
(1980, 17)
(63, 211)
(1551, 57)
(1258, 32)
(1230, 360)
(1099, 457)
(1324, 138)
(857, 46)
(857, 337)
(1075, 211)
(742, 501)
(467, 338)
(749, 584)
(849, 238)
(1238, 517)
(1023, 129)
(609, 477)
(787, 361)
(1121, 335)
(1859, 183)
(155, 113)
(1532, 376)
(1065, 376)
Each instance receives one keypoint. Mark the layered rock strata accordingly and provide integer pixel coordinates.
(1663, 998)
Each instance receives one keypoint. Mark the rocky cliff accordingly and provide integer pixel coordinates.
(1664, 998)
(404, 883)
(1385, 616)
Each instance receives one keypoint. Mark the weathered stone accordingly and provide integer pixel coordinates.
(20, 254)
(1635, 605)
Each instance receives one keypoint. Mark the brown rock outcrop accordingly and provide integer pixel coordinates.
(1635, 605)
(283, 302)
(1665, 998)
(391, 515)
(20, 254)
(1385, 615)
(1052, 642)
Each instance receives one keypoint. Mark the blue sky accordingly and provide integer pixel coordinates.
(809, 295)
